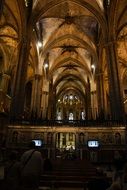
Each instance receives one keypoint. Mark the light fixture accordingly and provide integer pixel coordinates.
(26, 3)
(76, 97)
(71, 96)
(93, 66)
(39, 44)
(46, 65)
(66, 97)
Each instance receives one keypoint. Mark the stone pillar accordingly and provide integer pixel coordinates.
(54, 145)
(54, 104)
(44, 99)
(45, 138)
(100, 83)
(116, 103)
(44, 104)
(76, 140)
(94, 104)
(100, 95)
(50, 101)
(88, 102)
(36, 93)
(18, 92)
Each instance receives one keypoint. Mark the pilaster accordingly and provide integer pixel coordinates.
(45, 98)
(116, 103)
(18, 92)
(88, 101)
(36, 93)
(44, 104)
(100, 94)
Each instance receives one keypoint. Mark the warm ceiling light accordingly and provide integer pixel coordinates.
(46, 65)
(26, 3)
(71, 97)
(93, 66)
(39, 44)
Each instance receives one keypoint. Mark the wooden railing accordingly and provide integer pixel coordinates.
(73, 123)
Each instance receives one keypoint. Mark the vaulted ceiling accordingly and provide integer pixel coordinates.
(68, 32)
(66, 35)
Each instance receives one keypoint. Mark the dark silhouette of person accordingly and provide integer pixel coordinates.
(32, 167)
(12, 172)
(100, 182)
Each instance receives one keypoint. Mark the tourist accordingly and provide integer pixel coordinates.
(32, 167)
(12, 172)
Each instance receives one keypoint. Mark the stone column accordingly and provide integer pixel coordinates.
(44, 104)
(100, 95)
(54, 104)
(45, 138)
(54, 145)
(36, 93)
(50, 101)
(88, 102)
(100, 83)
(44, 99)
(116, 102)
(18, 92)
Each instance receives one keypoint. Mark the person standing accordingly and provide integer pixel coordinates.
(32, 168)
(12, 172)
